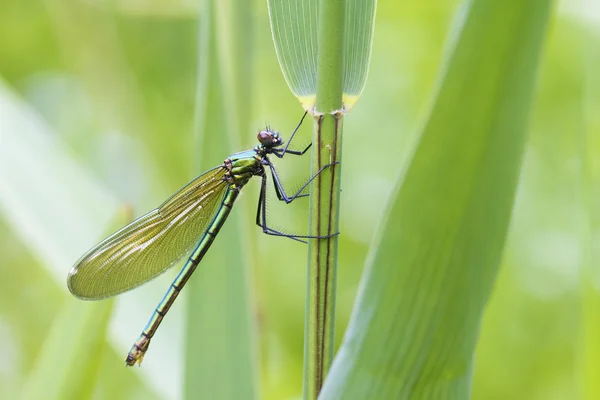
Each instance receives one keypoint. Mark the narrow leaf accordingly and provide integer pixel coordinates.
(590, 218)
(35, 171)
(220, 355)
(68, 365)
(433, 265)
(58, 210)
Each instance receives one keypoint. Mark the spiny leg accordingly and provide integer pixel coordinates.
(261, 217)
(261, 213)
(285, 149)
(262, 194)
(281, 152)
(281, 195)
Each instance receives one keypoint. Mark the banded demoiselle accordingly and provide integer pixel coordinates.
(190, 219)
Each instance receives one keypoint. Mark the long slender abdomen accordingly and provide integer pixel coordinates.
(139, 348)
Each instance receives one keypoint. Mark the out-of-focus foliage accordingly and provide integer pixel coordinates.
(220, 341)
(116, 83)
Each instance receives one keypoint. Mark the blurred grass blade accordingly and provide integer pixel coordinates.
(34, 172)
(589, 347)
(220, 353)
(294, 28)
(431, 270)
(58, 210)
(68, 364)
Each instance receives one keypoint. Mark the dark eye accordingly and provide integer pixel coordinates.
(265, 138)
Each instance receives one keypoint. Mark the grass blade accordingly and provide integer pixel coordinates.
(220, 346)
(68, 365)
(590, 289)
(34, 170)
(431, 270)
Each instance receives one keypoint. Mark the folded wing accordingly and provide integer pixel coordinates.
(152, 243)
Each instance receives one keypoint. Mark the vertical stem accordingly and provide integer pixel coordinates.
(324, 199)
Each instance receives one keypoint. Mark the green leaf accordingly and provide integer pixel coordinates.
(220, 354)
(360, 23)
(43, 190)
(589, 346)
(433, 265)
(68, 365)
(35, 170)
(294, 27)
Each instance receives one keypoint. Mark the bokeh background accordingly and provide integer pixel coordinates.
(111, 88)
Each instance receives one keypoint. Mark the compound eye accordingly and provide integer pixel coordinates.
(265, 138)
(268, 138)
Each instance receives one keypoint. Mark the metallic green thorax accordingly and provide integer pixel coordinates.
(243, 166)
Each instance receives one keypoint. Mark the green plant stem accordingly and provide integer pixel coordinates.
(324, 199)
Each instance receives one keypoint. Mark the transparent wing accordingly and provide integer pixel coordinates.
(152, 243)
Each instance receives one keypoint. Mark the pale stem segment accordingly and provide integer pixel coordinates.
(324, 198)
(322, 258)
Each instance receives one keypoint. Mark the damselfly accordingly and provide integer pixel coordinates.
(190, 219)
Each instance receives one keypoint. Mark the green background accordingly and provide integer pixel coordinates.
(115, 84)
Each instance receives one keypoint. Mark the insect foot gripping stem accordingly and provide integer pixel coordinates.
(138, 351)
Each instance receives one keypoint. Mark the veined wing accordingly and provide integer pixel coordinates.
(152, 243)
